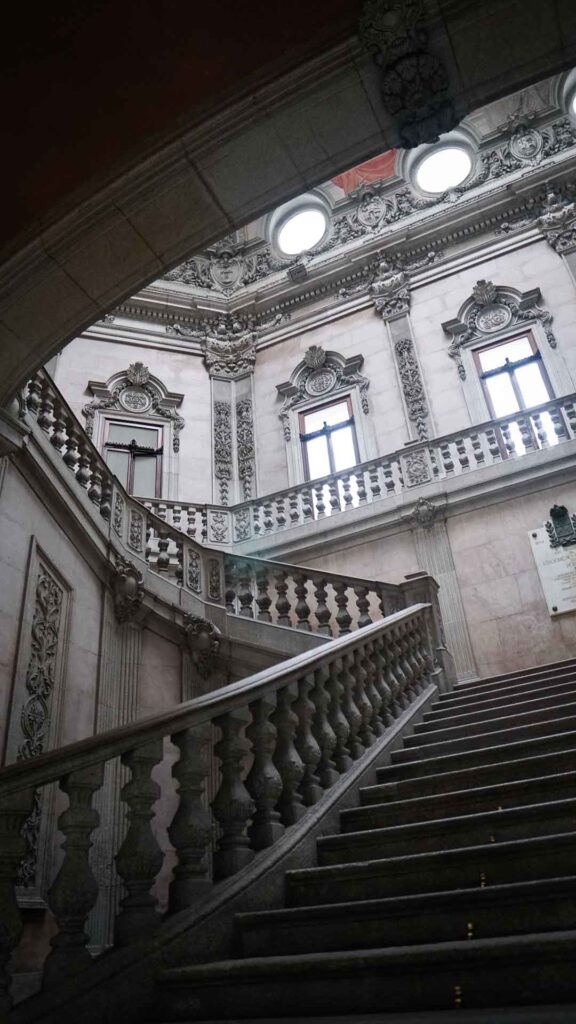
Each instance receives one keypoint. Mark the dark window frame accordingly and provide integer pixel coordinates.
(135, 451)
(327, 432)
(510, 368)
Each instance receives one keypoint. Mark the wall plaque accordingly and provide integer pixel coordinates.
(557, 571)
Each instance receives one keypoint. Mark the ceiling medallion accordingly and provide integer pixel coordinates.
(526, 144)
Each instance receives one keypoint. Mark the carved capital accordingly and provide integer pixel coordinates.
(128, 589)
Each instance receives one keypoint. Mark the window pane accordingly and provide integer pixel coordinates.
(502, 395)
(330, 414)
(124, 433)
(491, 358)
(343, 448)
(531, 383)
(144, 476)
(318, 461)
(118, 462)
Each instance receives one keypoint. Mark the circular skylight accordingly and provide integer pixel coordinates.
(443, 169)
(301, 231)
(573, 105)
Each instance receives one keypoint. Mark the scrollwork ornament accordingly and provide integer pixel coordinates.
(203, 641)
(128, 589)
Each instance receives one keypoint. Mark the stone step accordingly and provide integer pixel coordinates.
(520, 860)
(519, 675)
(557, 699)
(522, 970)
(422, 807)
(444, 706)
(477, 739)
(555, 764)
(407, 920)
(429, 732)
(493, 826)
(457, 753)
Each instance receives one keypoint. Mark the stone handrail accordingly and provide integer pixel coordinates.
(148, 541)
(307, 720)
(422, 462)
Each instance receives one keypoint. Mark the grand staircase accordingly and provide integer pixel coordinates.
(451, 886)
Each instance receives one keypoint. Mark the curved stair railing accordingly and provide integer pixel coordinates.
(286, 735)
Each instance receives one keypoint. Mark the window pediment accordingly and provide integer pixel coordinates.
(136, 391)
(317, 375)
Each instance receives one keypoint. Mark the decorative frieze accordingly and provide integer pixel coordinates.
(412, 386)
(223, 449)
(245, 452)
(321, 373)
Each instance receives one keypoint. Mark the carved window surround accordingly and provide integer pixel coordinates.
(495, 313)
(323, 375)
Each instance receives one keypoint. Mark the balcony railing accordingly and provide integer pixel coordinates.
(503, 440)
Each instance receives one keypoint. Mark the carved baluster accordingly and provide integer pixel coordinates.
(526, 435)
(508, 440)
(302, 607)
(493, 446)
(337, 718)
(322, 612)
(263, 599)
(191, 521)
(334, 496)
(416, 657)
(14, 810)
(256, 510)
(264, 783)
(306, 744)
(84, 472)
(191, 829)
(321, 728)
(381, 682)
(293, 507)
(58, 438)
(446, 456)
(245, 595)
(162, 511)
(232, 806)
(477, 450)
(570, 411)
(307, 505)
(363, 604)
(286, 757)
(410, 667)
(204, 525)
(320, 506)
(361, 699)
(372, 692)
(398, 670)
(388, 478)
(33, 399)
(177, 517)
(106, 503)
(462, 454)
(139, 859)
(230, 581)
(45, 413)
(541, 432)
(282, 602)
(348, 499)
(280, 512)
(361, 485)
(74, 891)
(179, 556)
(392, 681)
(95, 488)
(375, 489)
(268, 520)
(558, 424)
(350, 708)
(163, 558)
(70, 456)
(342, 616)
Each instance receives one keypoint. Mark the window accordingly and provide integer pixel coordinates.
(444, 168)
(134, 454)
(328, 439)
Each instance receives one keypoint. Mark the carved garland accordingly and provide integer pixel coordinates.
(493, 309)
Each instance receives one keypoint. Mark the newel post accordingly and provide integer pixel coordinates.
(421, 588)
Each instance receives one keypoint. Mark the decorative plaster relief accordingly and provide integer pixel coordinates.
(128, 589)
(135, 390)
(223, 449)
(245, 451)
(194, 572)
(214, 583)
(412, 386)
(321, 373)
(203, 641)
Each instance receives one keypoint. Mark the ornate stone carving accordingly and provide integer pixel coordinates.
(321, 372)
(118, 514)
(412, 386)
(386, 280)
(203, 640)
(35, 713)
(242, 525)
(416, 467)
(526, 147)
(136, 391)
(230, 348)
(136, 531)
(218, 527)
(214, 584)
(424, 513)
(245, 452)
(561, 527)
(194, 572)
(557, 221)
(223, 449)
(492, 308)
(414, 82)
(128, 589)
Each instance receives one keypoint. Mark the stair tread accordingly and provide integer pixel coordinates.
(540, 702)
(464, 730)
(452, 701)
(506, 748)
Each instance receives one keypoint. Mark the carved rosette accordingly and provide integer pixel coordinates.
(128, 589)
(412, 386)
(203, 641)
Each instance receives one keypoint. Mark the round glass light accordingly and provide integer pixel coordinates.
(445, 168)
(573, 105)
(302, 231)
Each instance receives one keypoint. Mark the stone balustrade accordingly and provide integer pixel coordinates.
(285, 736)
(388, 476)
